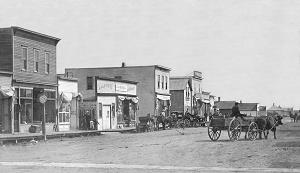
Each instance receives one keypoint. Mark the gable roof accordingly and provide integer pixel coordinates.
(225, 104)
(248, 106)
(178, 83)
(242, 106)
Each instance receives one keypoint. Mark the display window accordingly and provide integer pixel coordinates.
(25, 97)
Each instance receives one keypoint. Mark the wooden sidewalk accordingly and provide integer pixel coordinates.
(66, 134)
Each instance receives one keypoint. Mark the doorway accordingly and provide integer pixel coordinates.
(106, 116)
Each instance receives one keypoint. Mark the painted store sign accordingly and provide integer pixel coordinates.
(106, 86)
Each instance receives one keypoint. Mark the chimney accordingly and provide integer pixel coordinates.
(219, 99)
(123, 64)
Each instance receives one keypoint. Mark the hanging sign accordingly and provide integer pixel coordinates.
(42, 98)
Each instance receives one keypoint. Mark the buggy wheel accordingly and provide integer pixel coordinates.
(187, 123)
(214, 133)
(180, 125)
(151, 126)
(234, 129)
(252, 131)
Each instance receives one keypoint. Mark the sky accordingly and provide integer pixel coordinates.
(247, 50)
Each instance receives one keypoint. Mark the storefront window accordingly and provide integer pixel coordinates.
(50, 111)
(26, 111)
(64, 117)
(26, 106)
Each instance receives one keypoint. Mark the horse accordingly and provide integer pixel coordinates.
(159, 119)
(266, 123)
(294, 117)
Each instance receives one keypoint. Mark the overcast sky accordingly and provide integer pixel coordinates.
(247, 50)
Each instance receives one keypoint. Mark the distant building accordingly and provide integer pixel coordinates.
(197, 102)
(262, 111)
(153, 88)
(251, 109)
(181, 95)
(68, 103)
(283, 111)
(31, 59)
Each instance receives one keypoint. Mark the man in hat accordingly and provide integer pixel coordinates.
(236, 111)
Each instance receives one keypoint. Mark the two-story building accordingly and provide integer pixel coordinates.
(195, 81)
(181, 94)
(31, 58)
(152, 84)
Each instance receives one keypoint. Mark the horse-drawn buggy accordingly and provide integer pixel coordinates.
(234, 126)
(146, 124)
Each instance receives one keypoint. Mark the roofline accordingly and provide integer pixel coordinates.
(67, 79)
(116, 80)
(155, 66)
(180, 77)
(36, 33)
(6, 72)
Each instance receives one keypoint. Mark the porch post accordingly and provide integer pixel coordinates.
(12, 114)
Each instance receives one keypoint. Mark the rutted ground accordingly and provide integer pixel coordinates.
(168, 147)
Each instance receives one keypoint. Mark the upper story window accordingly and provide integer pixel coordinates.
(166, 82)
(47, 64)
(89, 83)
(24, 58)
(158, 81)
(36, 60)
(162, 82)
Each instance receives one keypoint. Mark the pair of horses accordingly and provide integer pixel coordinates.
(295, 117)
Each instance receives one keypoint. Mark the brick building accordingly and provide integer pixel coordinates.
(31, 58)
(152, 84)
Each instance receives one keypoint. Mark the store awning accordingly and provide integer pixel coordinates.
(7, 91)
(66, 97)
(197, 96)
(163, 97)
(205, 101)
(133, 99)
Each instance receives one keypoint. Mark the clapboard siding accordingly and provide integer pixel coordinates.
(5, 80)
(6, 60)
(29, 75)
(144, 75)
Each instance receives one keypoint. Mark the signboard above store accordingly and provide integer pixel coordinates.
(113, 87)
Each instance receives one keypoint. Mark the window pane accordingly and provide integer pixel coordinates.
(26, 111)
(28, 93)
(50, 111)
(22, 92)
(89, 81)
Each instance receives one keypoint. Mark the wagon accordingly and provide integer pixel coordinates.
(146, 124)
(234, 127)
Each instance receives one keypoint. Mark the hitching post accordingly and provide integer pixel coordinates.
(43, 99)
(44, 123)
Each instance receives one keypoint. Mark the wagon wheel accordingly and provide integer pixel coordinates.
(214, 133)
(187, 123)
(234, 129)
(252, 131)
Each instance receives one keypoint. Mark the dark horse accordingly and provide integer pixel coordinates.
(266, 123)
(294, 116)
(159, 119)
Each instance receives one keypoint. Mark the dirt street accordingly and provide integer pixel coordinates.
(161, 148)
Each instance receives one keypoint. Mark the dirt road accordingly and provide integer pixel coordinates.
(163, 148)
